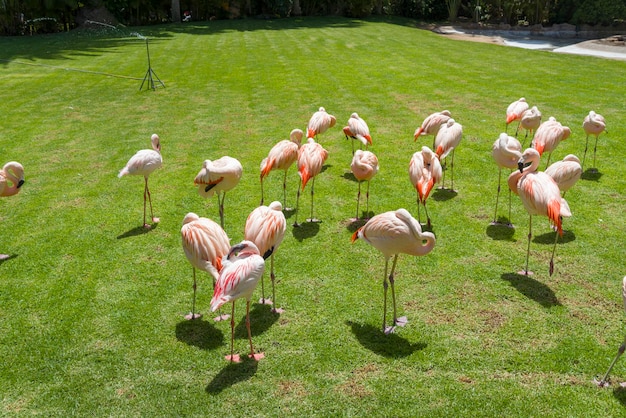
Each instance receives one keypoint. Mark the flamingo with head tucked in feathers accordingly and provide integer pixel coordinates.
(319, 123)
(393, 233)
(540, 195)
(11, 181)
(281, 157)
(594, 124)
(364, 166)
(218, 176)
(424, 172)
(530, 121)
(506, 152)
(432, 123)
(357, 129)
(311, 157)
(548, 136)
(446, 141)
(565, 172)
(514, 111)
(143, 163)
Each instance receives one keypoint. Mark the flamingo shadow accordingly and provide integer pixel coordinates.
(325, 167)
(199, 333)
(8, 258)
(501, 231)
(532, 289)
(140, 230)
(232, 374)
(441, 195)
(548, 238)
(591, 174)
(349, 176)
(353, 224)
(261, 319)
(387, 345)
(620, 394)
(305, 230)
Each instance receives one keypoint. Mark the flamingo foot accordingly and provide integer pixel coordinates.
(296, 225)
(525, 272)
(147, 226)
(191, 316)
(156, 220)
(593, 170)
(389, 330)
(257, 356)
(233, 358)
(278, 311)
(551, 267)
(402, 321)
(4, 257)
(313, 220)
(602, 383)
(222, 317)
(266, 301)
(288, 209)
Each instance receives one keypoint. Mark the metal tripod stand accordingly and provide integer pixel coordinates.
(150, 74)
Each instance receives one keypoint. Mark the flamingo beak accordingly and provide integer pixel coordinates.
(20, 183)
(520, 166)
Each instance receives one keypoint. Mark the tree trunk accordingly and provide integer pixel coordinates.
(296, 8)
(176, 11)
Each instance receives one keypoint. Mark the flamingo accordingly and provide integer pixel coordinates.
(565, 172)
(548, 136)
(424, 172)
(364, 166)
(11, 181)
(281, 157)
(515, 111)
(143, 163)
(218, 176)
(446, 141)
(204, 243)
(432, 123)
(393, 233)
(357, 129)
(243, 267)
(531, 119)
(266, 227)
(604, 382)
(593, 124)
(506, 152)
(311, 157)
(540, 195)
(319, 123)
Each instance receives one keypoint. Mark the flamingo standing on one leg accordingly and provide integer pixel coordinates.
(204, 243)
(393, 233)
(446, 141)
(281, 157)
(565, 172)
(424, 172)
(364, 166)
(11, 181)
(266, 227)
(604, 381)
(432, 123)
(540, 195)
(514, 111)
(218, 176)
(357, 129)
(243, 267)
(593, 124)
(548, 136)
(506, 152)
(311, 157)
(530, 121)
(143, 163)
(319, 123)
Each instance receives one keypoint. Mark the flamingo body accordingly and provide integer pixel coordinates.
(593, 124)
(281, 157)
(506, 152)
(566, 172)
(432, 123)
(357, 129)
(311, 158)
(424, 172)
(446, 141)
(531, 119)
(218, 176)
(364, 166)
(549, 135)
(515, 110)
(319, 123)
(11, 178)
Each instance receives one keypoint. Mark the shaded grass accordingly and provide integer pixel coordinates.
(92, 306)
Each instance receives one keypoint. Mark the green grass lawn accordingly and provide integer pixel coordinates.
(92, 306)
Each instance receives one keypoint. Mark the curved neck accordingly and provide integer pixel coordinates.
(9, 174)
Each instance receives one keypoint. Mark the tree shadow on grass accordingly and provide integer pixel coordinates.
(305, 230)
(501, 231)
(140, 230)
(532, 289)
(548, 238)
(387, 345)
(232, 374)
(261, 319)
(199, 333)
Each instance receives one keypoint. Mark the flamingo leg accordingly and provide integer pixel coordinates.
(221, 204)
(358, 200)
(495, 215)
(312, 219)
(273, 277)
(556, 239)
(258, 356)
(367, 200)
(285, 191)
(427, 217)
(385, 285)
(530, 234)
(261, 204)
(296, 224)
(192, 314)
(594, 152)
(145, 193)
(585, 153)
(452, 172)
(620, 351)
(418, 208)
(233, 358)
(402, 320)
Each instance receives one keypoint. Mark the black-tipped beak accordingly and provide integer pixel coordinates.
(520, 166)
(20, 183)
(235, 249)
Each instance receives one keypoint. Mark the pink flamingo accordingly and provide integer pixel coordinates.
(281, 157)
(393, 233)
(530, 121)
(11, 181)
(548, 136)
(204, 243)
(432, 123)
(424, 172)
(357, 129)
(540, 195)
(311, 157)
(218, 176)
(266, 227)
(319, 123)
(446, 141)
(593, 124)
(506, 152)
(143, 163)
(243, 267)
(565, 172)
(515, 111)
(364, 166)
